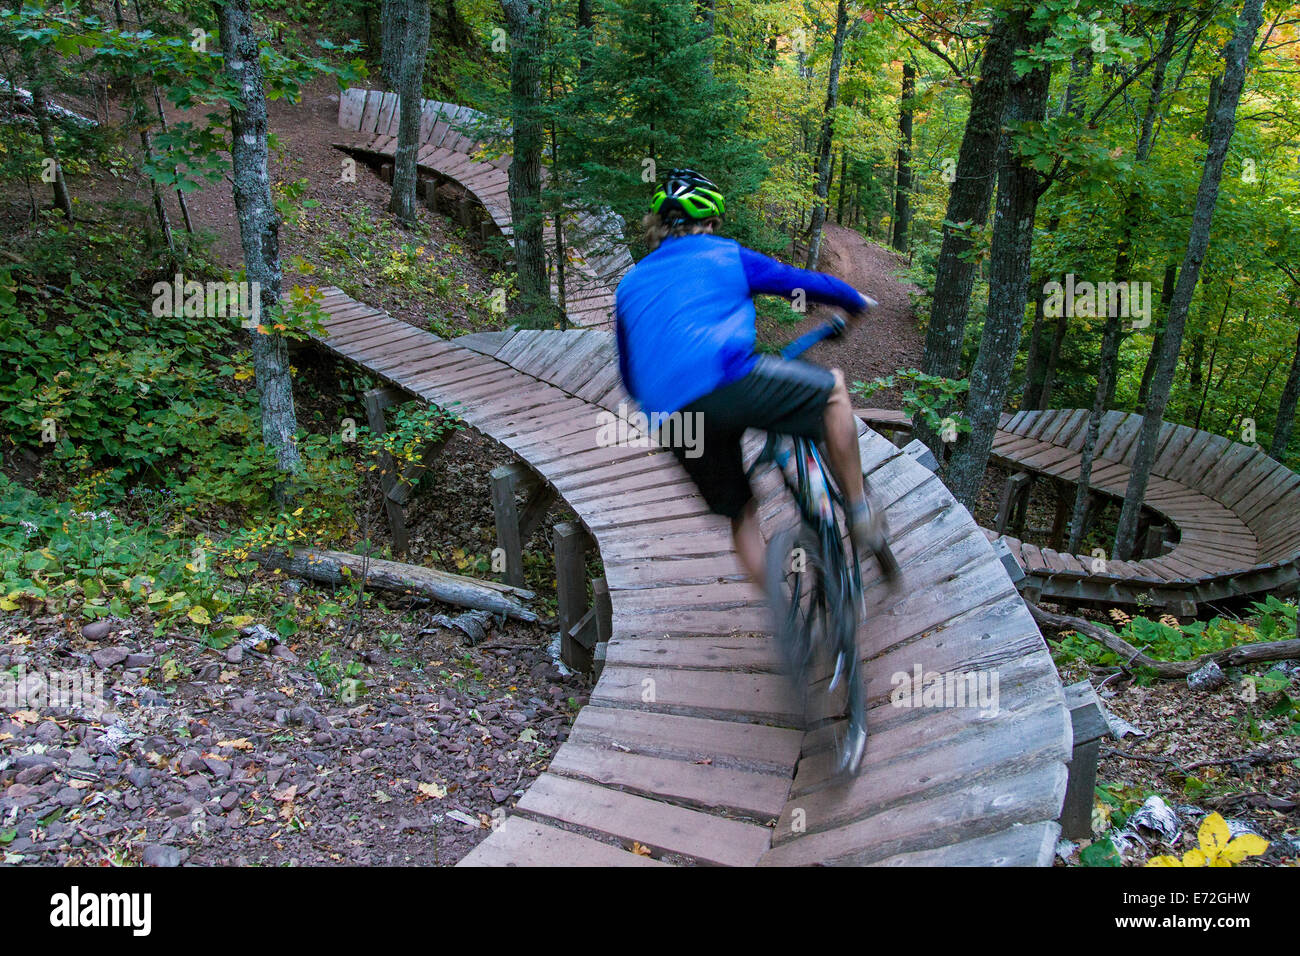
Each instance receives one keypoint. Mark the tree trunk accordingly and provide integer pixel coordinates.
(1009, 270)
(1157, 340)
(392, 30)
(259, 226)
(41, 107)
(844, 184)
(415, 45)
(526, 21)
(1198, 242)
(1107, 369)
(586, 22)
(903, 182)
(1286, 408)
(827, 135)
(968, 207)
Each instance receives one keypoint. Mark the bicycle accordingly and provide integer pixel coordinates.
(815, 592)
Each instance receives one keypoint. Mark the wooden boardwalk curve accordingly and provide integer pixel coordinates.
(690, 745)
(1237, 511)
(452, 149)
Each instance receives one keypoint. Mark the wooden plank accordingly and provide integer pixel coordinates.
(1020, 845)
(370, 116)
(987, 806)
(387, 108)
(352, 104)
(754, 747)
(1122, 443)
(759, 796)
(522, 842)
(660, 826)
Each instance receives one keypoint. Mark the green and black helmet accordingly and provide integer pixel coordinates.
(687, 195)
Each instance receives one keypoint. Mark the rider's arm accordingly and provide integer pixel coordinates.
(767, 276)
(620, 340)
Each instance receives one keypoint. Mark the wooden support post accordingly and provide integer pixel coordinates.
(377, 399)
(1011, 492)
(398, 482)
(514, 526)
(571, 592)
(604, 610)
(1157, 541)
(1089, 727)
(1062, 519)
(1021, 514)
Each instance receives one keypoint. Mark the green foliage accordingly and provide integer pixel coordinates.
(112, 390)
(1271, 620)
(926, 396)
(429, 278)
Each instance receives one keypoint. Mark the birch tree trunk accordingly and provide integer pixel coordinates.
(259, 227)
(827, 135)
(45, 126)
(415, 46)
(1198, 242)
(1013, 237)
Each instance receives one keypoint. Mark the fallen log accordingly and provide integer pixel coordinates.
(1231, 657)
(339, 567)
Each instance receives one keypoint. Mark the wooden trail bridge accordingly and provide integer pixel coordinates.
(691, 745)
(1228, 516)
(454, 150)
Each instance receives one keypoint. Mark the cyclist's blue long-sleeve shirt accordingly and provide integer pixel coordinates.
(684, 316)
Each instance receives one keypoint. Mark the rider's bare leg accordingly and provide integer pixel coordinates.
(748, 539)
(842, 441)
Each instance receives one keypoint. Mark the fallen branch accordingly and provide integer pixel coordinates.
(1288, 650)
(339, 567)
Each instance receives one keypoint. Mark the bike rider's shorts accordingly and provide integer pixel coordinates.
(778, 395)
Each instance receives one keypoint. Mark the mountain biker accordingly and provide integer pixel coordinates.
(685, 327)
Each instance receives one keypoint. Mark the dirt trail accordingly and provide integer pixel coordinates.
(886, 341)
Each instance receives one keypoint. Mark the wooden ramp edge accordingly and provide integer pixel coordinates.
(1236, 510)
(690, 749)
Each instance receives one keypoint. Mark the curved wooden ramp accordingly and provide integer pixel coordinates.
(1236, 509)
(690, 745)
(453, 141)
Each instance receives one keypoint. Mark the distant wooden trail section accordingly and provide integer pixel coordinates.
(690, 745)
(1237, 510)
(452, 149)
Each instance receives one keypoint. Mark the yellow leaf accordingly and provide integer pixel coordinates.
(243, 374)
(240, 620)
(1194, 858)
(199, 615)
(1164, 861)
(1248, 844)
(1213, 835)
(4, 737)
(640, 849)
(240, 743)
(26, 716)
(432, 790)
(7, 605)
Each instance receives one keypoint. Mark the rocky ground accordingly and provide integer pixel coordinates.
(260, 755)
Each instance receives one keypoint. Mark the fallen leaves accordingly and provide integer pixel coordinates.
(1217, 847)
(429, 791)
